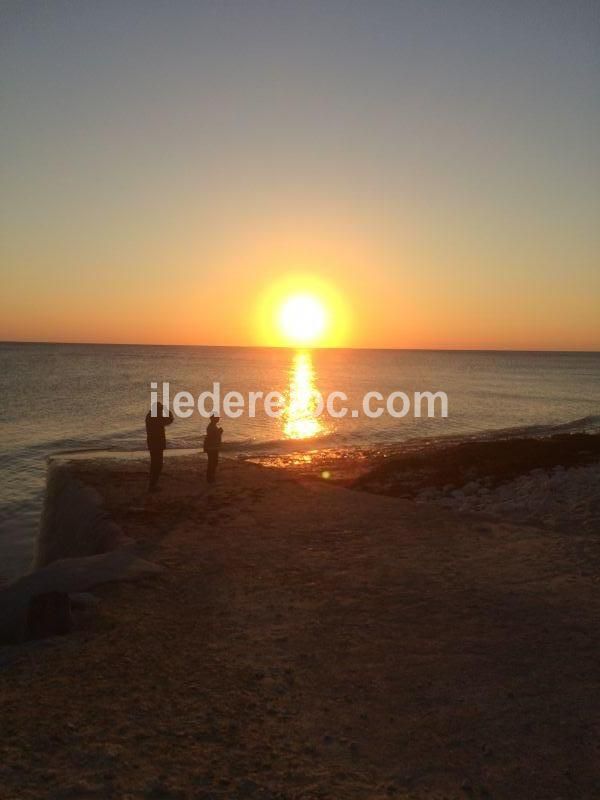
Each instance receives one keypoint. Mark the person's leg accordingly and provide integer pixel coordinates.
(211, 465)
(160, 464)
(156, 463)
(152, 475)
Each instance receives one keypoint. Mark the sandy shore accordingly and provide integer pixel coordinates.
(309, 641)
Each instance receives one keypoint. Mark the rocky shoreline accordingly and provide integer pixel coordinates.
(559, 498)
(552, 482)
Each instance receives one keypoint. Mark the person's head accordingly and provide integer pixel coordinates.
(156, 409)
(214, 419)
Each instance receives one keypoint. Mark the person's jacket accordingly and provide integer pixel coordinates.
(212, 440)
(155, 430)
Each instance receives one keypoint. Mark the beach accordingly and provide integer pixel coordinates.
(307, 640)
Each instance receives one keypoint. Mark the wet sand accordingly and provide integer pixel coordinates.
(309, 641)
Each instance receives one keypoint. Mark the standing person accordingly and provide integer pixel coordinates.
(157, 441)
(212, 444)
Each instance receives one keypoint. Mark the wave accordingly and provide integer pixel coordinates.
(589, 424)
(133, 440)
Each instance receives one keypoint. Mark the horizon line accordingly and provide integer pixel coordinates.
(293, 347)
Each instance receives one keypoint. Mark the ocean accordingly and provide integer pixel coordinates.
(62, 397)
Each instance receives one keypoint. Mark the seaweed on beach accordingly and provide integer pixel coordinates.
(489, 461)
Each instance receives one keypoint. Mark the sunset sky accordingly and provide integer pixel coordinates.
(435, 165)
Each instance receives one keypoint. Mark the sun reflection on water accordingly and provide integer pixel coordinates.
(301, 400)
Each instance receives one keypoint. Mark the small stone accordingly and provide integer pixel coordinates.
(247, 787)
(49, 614)
(84, 600)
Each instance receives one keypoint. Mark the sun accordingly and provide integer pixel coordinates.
(301, 310)
(302, 319)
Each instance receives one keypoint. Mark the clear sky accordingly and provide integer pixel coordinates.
(437, 164)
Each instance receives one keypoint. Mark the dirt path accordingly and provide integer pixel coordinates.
(307, 641)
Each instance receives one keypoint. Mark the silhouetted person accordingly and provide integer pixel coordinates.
(157, 441)
(212, 444)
